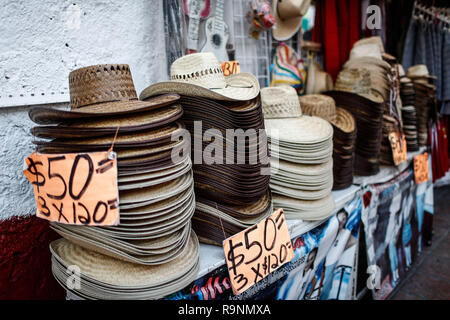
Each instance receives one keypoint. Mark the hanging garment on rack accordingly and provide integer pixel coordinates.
(445, 81)
(428, 42)
(337, 27)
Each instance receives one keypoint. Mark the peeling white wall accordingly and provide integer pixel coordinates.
(40, 43)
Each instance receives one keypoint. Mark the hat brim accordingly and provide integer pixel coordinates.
(284, 29)
(344, 120)
(45, 115)
(125, 124)
(240, 87)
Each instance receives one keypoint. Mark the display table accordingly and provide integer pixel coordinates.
(212, 257)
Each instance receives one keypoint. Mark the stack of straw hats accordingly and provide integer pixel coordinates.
(231, 191)
(344, 135)
(409, 116)
(353, 92)
(424, 98)
(156, 199)
(301, 156)
(369, 54)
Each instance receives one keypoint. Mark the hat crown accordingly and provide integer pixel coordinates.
(355, 80)
(100, 84)
(419, 70)
(318, 105)
(280, 102)
(287, 9)
(202, 69)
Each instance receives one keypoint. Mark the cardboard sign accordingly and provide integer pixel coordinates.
(254, 253)
(230, 67)
(398, 147)
(75, 188)
(421, 168)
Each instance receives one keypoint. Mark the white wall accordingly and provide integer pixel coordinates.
(35, 60)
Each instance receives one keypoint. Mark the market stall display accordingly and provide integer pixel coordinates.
(156, 199)
(232, 193)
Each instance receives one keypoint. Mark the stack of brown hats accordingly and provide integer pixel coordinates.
(231, 191)
(369, 53)
(156, 198)
(424, 96)
(409, 116)
(344, 135)
(301, 151)
(354, 93)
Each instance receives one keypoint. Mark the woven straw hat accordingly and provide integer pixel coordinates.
(201, 75)
(305, 129)
(280, 102)
(357, 80)
(371, 40)
(318, 105)
(366, 50)
(419, 71)
(288, 17)
(100, 90)
(318, 80)
(104, 277)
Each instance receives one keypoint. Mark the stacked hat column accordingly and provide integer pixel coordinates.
(353, 92)
(409, 116)
(153, 251)
(232, 193)
(301, 156)
(344, 135)
(424, 92)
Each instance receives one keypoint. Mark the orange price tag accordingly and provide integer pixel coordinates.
(421, 168)
(230, 67)
(254, 253)
(398, 147)
(75, 188)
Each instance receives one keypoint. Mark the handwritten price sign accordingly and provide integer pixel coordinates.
(421, 168)
(75, 188)
(254, 253)
(230, 67)
(398, 147)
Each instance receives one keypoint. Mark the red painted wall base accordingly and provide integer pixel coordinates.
(25, 266)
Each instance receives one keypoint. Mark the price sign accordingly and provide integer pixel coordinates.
(254, 253)
(230, 67)
(421, 168)
(75, 188)
(398, 147)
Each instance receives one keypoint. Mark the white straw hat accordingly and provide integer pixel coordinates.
(280, 102)
(201, 75)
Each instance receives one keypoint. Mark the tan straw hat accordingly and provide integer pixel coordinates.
(318, 105)
(357, 80)
(288, 17)
(371, 40)
(419, 71)
(318, 80)
(100, 90)
(366, 50)
(201, 75)
(280, 102)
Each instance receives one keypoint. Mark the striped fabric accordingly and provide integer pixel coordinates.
(288, 69)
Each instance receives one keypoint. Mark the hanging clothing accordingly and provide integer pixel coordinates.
(337, 27)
